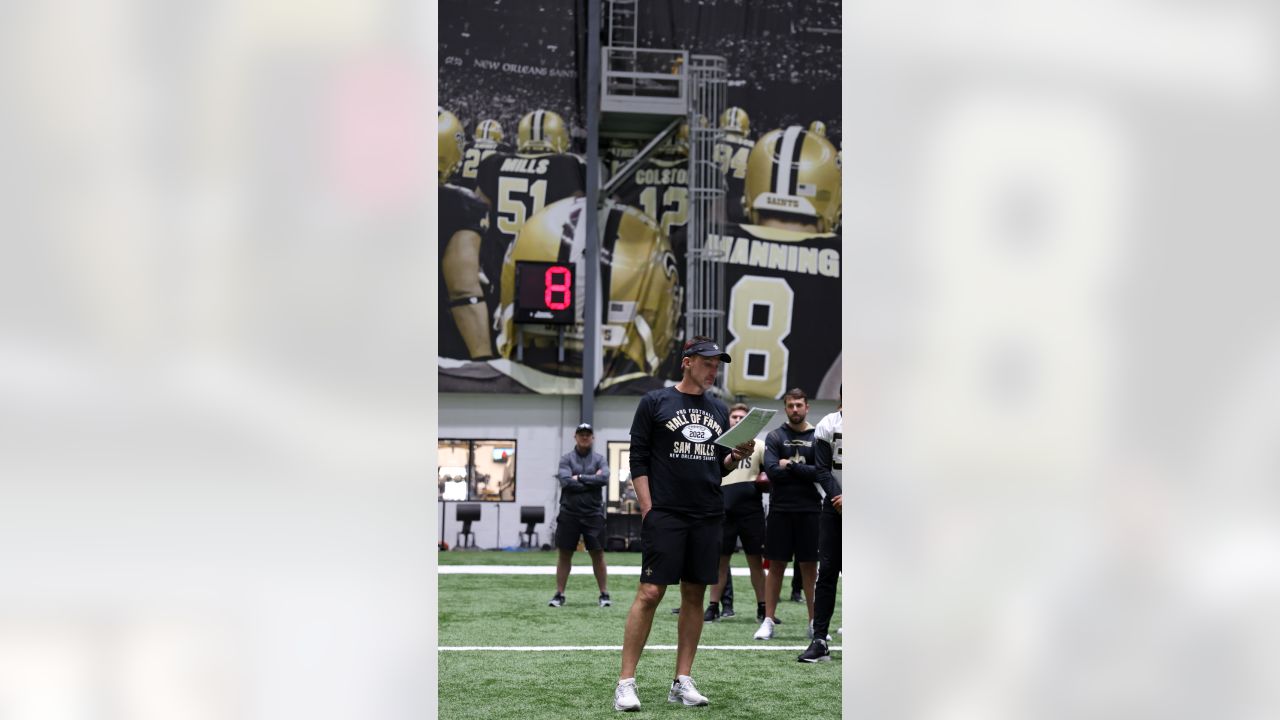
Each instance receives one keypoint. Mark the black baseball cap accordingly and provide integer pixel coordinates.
(705, 348)
(584, 428)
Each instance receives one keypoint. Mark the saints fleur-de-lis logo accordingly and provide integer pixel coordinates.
(648, 572)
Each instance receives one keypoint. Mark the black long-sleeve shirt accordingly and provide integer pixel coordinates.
(582, 497)
(671, 443)
(829, 455)
(793, 488)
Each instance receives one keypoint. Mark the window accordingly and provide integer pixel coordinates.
(477, 470)
(622, 497)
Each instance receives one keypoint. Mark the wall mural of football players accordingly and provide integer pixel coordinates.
(516, 186)
(731, 157)
(466, 333)
(518, 67)
(640, 293)
(783, 268)
(659, 188)
(487, 140)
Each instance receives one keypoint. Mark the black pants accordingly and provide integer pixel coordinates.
(829, 557)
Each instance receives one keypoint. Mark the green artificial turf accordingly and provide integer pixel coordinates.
(548, 558)
(564, 686)
(532, 557)
(511, 610)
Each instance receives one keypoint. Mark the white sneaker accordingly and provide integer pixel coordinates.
(766, 630)
(682, 690)
(624, 696)
(810, 631)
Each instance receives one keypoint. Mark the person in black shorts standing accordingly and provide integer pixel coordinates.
(676, 470)
(793, 508)
(743, 518)
(582, 475)
(829, 452)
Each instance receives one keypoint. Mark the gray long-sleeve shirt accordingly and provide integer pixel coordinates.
(582, 497)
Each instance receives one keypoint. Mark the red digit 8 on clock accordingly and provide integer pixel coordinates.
(552, 287)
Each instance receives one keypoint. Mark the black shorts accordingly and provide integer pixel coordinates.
(792, 533)
(677, 547)
(569, 527)
(743, 518)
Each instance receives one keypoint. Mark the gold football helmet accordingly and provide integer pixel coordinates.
(734, 120)
(542, 131)
(640, 289)
(452, 140)
(678, 143)
(794, 172)
(819, 128)
(490, 130)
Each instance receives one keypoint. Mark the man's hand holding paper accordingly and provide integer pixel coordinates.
(747, 430)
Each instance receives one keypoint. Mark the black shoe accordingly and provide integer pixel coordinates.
(557, 601)
(726, 611)
(713, 613)
(675, 611)
(816, 652)
(759, 612)
(604, 600)
(796, 596)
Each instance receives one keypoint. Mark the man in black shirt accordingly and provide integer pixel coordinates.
(465, 333)
(792, 528)
(582, 475)
(676, 470)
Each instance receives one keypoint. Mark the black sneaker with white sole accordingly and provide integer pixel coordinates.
(604, 600)
(816, 652)
(726, 611)
(557, 601)
(713, 613)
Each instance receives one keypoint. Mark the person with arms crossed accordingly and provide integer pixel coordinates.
(793, 507)
(828, 458)
(582, 475)
(676, 469)
(743, 518)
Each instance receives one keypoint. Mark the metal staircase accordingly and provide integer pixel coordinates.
(622, 23)
(705, 296)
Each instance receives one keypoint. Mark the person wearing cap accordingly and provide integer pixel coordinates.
(582, 475)
(676, 469)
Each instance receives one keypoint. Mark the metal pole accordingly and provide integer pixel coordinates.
(591, 315)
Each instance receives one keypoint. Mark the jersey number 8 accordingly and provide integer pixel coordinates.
(759, 319)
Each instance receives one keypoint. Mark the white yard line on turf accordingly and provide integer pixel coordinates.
(618, 648)
(551, 570)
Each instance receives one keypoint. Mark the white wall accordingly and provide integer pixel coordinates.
(543, 429)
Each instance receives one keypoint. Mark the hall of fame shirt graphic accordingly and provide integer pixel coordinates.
(698, 429)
